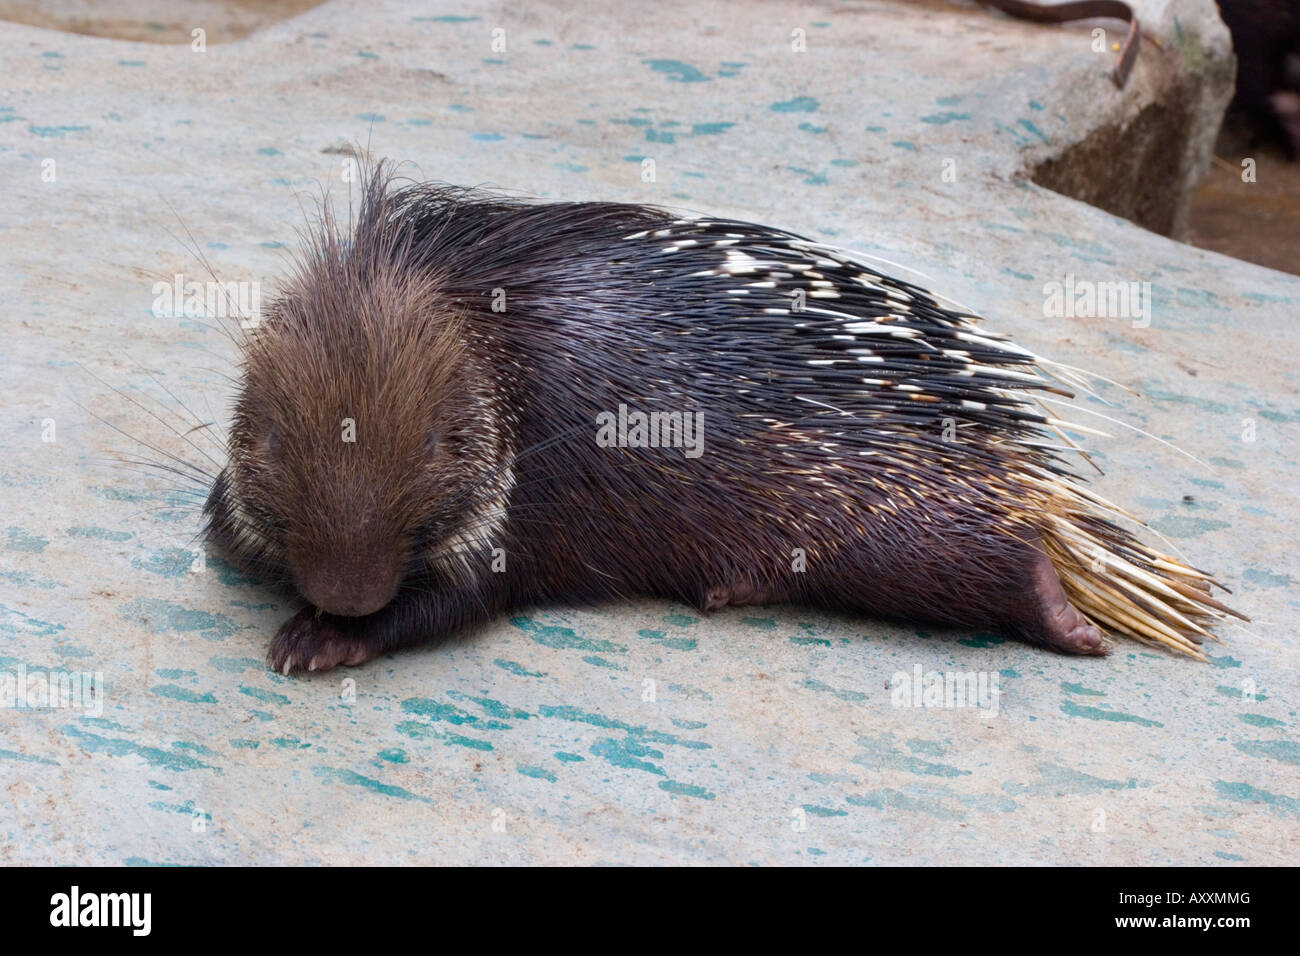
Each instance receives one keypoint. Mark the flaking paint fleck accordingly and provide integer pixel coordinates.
(576, 715)
(102, 534)
(677, 71)
(1287, 751)
(676, 643)
(1226, 691)
(1246, 793)
(516, 669)
(352, 778)
(21, 540)
(627, 754)
(167, 616)
(156, 757)
(168, 562)
(1259, 720)
(181, 694)
(800, 104)
(564, 638)
(539, 773)
(852, 696)
(1071, 709)
(265, 696)
(686, 790)
(436, 711)
(1055, 780)
(1080, 689)
(896, 800)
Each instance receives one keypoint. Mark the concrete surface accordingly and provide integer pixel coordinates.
(771, 735)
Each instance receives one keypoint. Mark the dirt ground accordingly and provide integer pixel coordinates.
(1259, 221)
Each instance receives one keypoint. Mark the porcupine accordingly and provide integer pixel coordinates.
(414, 447)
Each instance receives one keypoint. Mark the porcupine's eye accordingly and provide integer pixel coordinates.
(431, 443)
(273, 442)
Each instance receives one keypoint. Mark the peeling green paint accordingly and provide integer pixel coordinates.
(686, 790)
(1080, 689)
(516, 669)
(539, 773)
(853, 696)
(355, 779)
(800, 104)
(677, 71)
(167, 616)
(564, 638)
(1259, 720)
(895, 800)
(264, 695)
(1249, 794)
(21, 540)
(1055, 780)
(181, 694)
(1287, 751)
(102, 534)
(1071, 709)
(676, 643)
(627, 754)
(95, 743)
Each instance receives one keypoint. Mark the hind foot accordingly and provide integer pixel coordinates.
(311, 641)
(736, 595)
(1058, 623)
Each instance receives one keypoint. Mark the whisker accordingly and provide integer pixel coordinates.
(148, 411)
(199, 423)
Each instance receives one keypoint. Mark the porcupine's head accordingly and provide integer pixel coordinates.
(365, 442)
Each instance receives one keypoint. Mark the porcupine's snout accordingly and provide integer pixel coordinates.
(352, 581)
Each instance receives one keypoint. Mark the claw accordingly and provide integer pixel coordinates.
(311, 641)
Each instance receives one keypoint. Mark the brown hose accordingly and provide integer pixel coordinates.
(1081, 10)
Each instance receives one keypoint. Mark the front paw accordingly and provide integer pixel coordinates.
(311, 641)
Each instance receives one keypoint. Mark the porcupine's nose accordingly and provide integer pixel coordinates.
(351, 583)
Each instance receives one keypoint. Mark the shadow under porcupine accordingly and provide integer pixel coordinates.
(472, 482)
